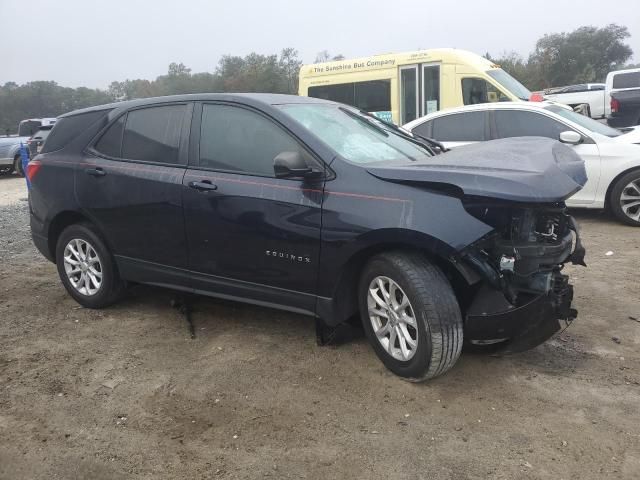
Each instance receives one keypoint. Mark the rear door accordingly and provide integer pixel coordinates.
(521, 123)
(250, 235)
(130, 185)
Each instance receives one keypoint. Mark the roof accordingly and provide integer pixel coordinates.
(387, 60)
(255, 99)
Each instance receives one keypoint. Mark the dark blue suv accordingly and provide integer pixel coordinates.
(317, 208)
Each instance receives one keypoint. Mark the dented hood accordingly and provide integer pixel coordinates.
(523, 169)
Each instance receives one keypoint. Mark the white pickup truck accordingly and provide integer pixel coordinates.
(592, 95)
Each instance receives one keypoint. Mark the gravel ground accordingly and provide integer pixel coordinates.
(124, 392)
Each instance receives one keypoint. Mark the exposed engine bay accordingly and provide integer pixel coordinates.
(520, 264)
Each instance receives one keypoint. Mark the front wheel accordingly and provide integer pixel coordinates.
(410, 315)
(625, 198)
(86, 267)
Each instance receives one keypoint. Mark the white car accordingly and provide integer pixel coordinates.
(591, 94)
(612, 158)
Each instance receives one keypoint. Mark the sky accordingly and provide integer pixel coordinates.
(94, 42)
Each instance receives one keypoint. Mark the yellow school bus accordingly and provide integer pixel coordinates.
(401, 87)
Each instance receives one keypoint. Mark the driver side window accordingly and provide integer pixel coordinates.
(235, 139)
(477, 90)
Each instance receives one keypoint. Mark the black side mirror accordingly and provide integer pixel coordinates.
(290, 164)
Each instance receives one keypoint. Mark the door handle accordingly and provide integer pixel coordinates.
(95, 172)
(203, 186)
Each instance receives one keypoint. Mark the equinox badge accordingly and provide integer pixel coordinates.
(288, 256)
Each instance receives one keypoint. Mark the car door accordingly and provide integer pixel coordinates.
(456, 129)
(250, 235)
(130, 185)
(521, 123)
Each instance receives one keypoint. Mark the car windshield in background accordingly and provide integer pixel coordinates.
(584, 121)
(510, 83)
(355, 137)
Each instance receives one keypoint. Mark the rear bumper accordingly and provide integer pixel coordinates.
(39, 237)
(623, 120)
(527, 325)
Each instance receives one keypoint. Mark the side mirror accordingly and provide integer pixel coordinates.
(290, 164)
(570, 137)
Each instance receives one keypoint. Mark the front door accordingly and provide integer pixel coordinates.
(250, 235)
(419, 91)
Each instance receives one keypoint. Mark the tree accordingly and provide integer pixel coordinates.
(584, 55)
(290, 65)
(513, 63)
(325, 56)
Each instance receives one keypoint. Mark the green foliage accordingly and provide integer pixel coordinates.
(42, 99)
(252, 73)
(585, 55)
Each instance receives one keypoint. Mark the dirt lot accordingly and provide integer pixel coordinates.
(125, 392)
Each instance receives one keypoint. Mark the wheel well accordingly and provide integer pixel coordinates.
(58, 224)
(345, 299)
(607, 198)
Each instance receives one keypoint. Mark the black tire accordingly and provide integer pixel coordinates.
(435, 308)
(616, 192)
(112, 286)
(17, 165)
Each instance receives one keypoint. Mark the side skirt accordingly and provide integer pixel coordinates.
(199, 283)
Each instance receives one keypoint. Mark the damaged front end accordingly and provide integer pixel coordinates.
(520, 297)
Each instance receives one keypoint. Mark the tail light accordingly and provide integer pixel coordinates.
(615, 105)
(32, 168)
(536, 97)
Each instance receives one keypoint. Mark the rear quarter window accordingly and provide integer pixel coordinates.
(68, 128)
(626, 80)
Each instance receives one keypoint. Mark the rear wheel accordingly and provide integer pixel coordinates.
(410, 315)
(86, 267)
(17, 165)
(625, 198)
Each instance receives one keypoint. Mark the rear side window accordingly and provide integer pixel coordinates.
(626, 80)
(239, 140)
(153, 134)
(110, 144)
(512, 123)
(459, 127)
(68, 128)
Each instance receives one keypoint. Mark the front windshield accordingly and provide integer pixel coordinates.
(509, 83)
(353, 136)
(585, 122)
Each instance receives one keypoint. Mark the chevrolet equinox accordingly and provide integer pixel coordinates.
(318, 208)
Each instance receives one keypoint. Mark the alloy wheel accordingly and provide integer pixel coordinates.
(392, 318)
(630, 200)
(83, 267)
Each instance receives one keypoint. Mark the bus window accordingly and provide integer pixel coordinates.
(431, 88)
(477, 90)
(408, 94)
(373, 96)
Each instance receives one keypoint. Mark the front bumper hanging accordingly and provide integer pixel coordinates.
(526, 326)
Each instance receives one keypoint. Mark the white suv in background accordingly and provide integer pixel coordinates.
(612, 158)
